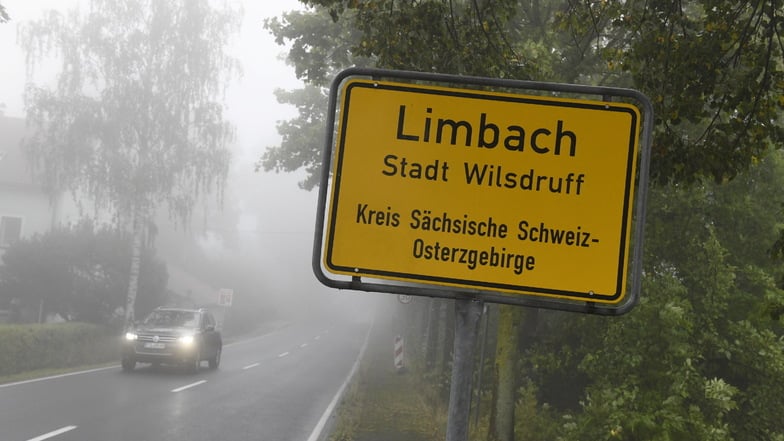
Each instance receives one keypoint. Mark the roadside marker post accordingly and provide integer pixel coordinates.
(399, 354)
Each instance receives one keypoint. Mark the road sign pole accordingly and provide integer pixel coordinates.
(467, 316)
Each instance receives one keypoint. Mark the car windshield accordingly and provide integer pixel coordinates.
(185, 319)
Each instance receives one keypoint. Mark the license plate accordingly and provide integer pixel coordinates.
(155, 345)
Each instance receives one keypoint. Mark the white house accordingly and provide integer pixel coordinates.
(25, 208)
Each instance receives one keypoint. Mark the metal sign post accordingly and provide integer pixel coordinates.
(468, 313)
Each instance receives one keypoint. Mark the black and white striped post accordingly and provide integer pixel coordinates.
(399, 356)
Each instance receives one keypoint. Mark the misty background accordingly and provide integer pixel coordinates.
(260, 243)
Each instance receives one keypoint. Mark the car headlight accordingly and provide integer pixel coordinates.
(130, 336)
(186, 340)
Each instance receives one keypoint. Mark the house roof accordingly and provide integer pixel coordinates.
(14, 168)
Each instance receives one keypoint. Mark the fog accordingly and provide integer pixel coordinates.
(259, 243)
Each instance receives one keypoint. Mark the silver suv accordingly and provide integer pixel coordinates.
(178, 336)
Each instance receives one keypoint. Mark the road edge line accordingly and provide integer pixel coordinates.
(53, 433)
(316, 434)
(52, 377)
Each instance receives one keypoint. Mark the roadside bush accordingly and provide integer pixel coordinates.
(80, 273)
(51, 346)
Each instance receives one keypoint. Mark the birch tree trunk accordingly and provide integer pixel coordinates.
(136, 258)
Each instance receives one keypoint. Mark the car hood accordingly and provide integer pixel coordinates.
(159, 330)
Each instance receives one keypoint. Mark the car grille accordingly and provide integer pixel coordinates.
(161, 338)
(163, 345)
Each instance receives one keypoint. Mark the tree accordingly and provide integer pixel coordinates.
(700, 357)
(502, 416)
(712, 68)
(134, 119)
(333, 36)
(79, 273)
(321, 47)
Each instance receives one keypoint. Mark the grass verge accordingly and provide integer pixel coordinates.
(384, 404)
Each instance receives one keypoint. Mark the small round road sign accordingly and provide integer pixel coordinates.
(404, 299)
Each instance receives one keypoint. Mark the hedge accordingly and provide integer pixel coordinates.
(52, 346)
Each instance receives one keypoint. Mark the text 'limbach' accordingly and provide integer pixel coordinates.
(541, 140)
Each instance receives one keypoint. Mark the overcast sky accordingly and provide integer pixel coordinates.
(252, 107)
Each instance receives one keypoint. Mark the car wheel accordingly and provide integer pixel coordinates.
(128, 364)
(195, 364)
(215, 361)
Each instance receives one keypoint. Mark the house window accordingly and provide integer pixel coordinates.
(10, 230)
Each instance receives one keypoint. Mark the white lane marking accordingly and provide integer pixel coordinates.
(53, 433)
(188, 386)
(250, 366)
(316, 434)
(318, 337)
(52, 377)
(303, 345)
(283, 355)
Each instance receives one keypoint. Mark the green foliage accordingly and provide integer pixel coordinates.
(644, 379)
(303, 137)
(434, 36)
(713, 69)
(320, 47)
(80, 273)
(31, 347)
(700, 357)
(534, 421)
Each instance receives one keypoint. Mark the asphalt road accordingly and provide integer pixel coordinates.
(276, 386)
